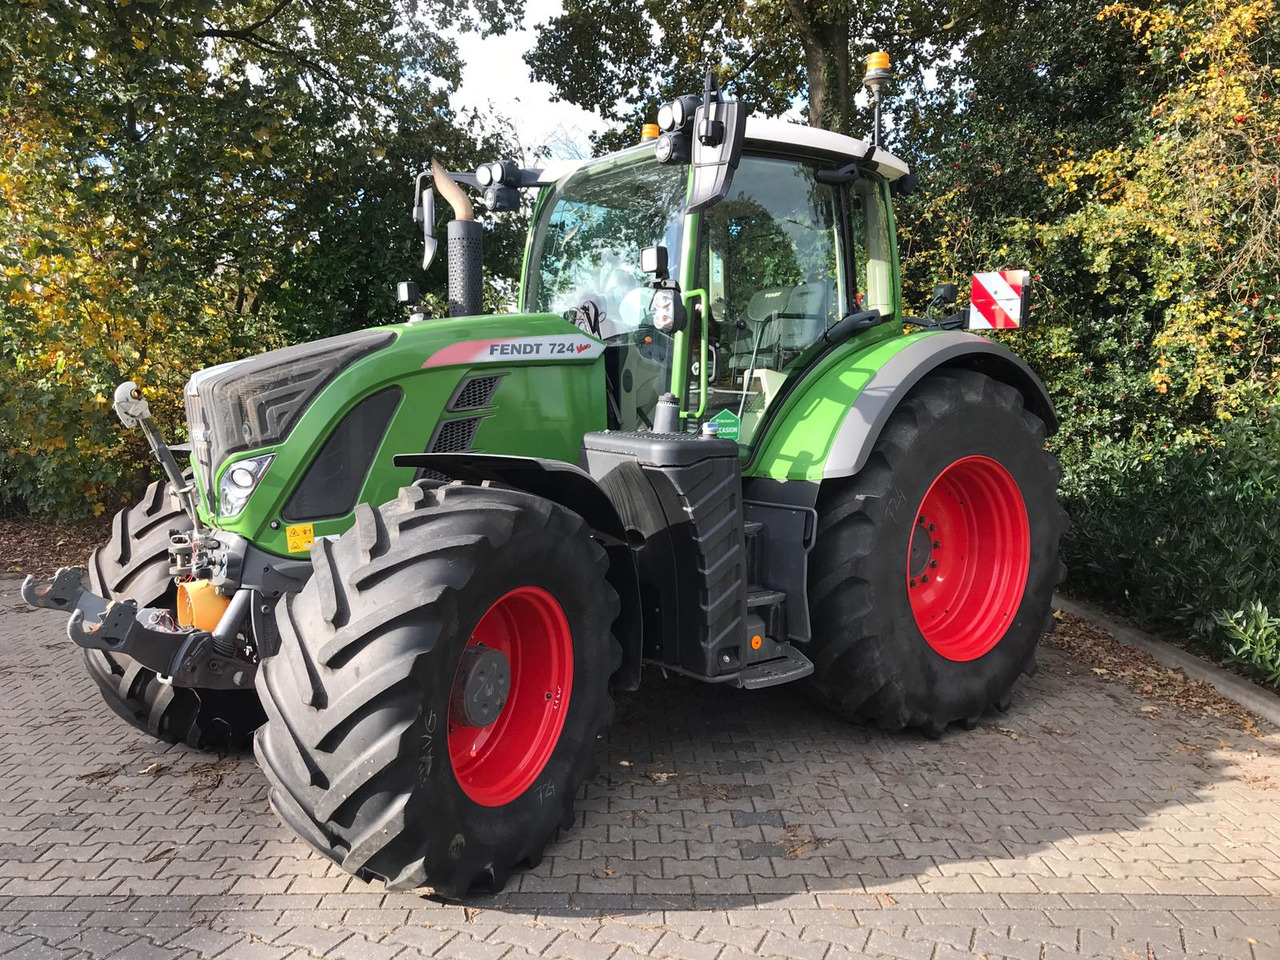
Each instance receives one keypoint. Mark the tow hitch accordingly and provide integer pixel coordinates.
(183, 656)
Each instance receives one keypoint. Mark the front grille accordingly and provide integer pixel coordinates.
(474, 393)
(454, 436)
(201, 447)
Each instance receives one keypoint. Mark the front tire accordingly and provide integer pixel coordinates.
(134, 565)
(932, 575)
(370, 753)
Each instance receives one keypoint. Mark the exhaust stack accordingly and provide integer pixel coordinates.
(465, 246)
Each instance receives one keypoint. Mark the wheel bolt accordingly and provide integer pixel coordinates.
(937, 544)
(932, 527)
(913, 583)
(924, 578)
(933, 563)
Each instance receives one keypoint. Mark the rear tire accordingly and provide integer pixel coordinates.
(958, 484)
(134, 565)
(367, 759)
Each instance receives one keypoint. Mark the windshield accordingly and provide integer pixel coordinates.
(589, 234)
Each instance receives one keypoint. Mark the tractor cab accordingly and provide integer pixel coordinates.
(800, 240)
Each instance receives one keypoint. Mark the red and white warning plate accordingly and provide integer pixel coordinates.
(999, 300)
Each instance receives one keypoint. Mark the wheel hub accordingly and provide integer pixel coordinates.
(920, 560)
(481, 687)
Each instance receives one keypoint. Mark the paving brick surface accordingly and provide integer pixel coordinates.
(723, 825)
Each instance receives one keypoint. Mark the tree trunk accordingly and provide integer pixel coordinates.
(823, 30)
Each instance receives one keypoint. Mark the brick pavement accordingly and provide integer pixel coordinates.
(723, 825)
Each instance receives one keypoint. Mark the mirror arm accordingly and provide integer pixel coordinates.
(853, 323)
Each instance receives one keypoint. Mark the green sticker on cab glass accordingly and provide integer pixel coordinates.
(727, 424)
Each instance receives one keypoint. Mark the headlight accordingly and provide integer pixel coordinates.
(238, 481)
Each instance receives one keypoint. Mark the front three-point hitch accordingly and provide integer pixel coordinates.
(182, 655)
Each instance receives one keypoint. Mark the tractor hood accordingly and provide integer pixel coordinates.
(296, 437)
(254, 402)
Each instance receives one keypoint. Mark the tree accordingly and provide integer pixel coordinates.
(771, 53)
(190, 181)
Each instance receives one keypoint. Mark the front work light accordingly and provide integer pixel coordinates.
(240, 480)
(677, 116)
(668, 311)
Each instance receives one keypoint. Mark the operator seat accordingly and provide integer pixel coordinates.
(802, 317)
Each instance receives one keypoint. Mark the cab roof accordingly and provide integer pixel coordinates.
(762, 131)
(779, 134)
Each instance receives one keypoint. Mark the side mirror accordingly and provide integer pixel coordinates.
(718, 128)
(654, 260)
(424, 212)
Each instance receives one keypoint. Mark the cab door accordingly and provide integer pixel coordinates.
(777, 266)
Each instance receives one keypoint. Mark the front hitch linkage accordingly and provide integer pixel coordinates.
(185, 657)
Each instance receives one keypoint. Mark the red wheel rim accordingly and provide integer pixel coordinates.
(968, 558)
(497, 763)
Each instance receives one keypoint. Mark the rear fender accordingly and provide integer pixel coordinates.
(827, 425)
(876, 402)
(574, 489)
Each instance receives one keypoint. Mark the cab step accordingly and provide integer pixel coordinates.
(792, 665)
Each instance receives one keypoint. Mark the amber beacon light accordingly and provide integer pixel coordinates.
(876, 79)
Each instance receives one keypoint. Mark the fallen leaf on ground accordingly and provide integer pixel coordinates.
(885, 900)
(1142, 673)
(208, 776)
(151, 769)
(28, 545)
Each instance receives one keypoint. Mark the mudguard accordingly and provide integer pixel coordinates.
(882, 394)
(576, 490)
(834, 420)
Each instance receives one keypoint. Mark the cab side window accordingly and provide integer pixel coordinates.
(773, 267)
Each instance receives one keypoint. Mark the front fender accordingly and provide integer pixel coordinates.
(576, 490)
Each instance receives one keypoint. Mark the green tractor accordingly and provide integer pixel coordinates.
(413, 562)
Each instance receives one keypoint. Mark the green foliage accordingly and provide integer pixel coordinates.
(1175, 537)
(1253, 640)
(190, 182)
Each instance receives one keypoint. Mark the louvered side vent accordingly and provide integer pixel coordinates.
(454, 436)
(474, 393)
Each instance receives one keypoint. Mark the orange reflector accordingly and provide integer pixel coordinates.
(200, 605)
(756, 642)
(878, 61)
(649, 131)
